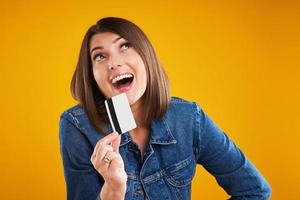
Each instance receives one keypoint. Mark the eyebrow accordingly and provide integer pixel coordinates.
(100, 47)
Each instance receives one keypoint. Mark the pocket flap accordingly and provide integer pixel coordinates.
(181, 173)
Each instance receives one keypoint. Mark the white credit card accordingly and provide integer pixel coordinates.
(119, 113)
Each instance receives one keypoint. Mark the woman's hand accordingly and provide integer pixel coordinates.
(112, 167)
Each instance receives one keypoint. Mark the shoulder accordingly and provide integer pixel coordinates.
(76, 143)
(178, 101)
(69, 123)
(182, 106)
(73, 113)
(182, 112)
(74, 122)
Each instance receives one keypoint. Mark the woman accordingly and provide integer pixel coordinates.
(156, 160)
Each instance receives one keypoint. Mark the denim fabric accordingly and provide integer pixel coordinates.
(183, 137)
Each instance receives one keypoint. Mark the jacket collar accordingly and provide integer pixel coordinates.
(159, 134)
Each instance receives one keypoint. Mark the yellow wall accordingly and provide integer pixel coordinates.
(238, 59)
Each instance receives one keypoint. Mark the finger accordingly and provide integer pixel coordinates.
(103, 151)
(105, 165)
(106, 140)
(116, 144)
(109, 138)
(117, 161)
(109, 167)
(97, 160)
(99, 152)
(111, 155)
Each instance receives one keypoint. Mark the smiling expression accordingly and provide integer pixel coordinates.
(117, 67)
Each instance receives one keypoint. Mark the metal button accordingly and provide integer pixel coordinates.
(139, 192)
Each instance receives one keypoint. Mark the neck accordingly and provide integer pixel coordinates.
(138, 112)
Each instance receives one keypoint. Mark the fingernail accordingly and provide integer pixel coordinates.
(115, 133)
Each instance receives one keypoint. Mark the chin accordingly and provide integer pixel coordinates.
(132, 99)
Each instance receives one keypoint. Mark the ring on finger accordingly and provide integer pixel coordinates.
(107, 159)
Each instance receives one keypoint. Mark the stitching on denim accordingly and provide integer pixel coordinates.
(181, 166)
(73, 119)
(78, 111)
(180, 100)
(169, 131)
(133, 177)
(153, 177)
(196, 129)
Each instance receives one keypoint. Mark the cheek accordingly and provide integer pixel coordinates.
(142, 72)
(100, 78)
(97, 75)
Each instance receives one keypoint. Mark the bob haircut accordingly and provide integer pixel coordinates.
(85, 90)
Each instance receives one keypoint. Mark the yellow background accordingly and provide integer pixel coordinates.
(238, 59)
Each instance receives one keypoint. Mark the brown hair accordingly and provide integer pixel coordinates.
(86, 91)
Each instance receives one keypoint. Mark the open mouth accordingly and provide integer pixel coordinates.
(122, 81)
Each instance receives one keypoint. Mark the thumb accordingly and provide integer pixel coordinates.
(116, 144)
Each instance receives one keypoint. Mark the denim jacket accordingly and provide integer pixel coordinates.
(183, 137)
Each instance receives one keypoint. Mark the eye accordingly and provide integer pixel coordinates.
(125, 45)
(98, 57)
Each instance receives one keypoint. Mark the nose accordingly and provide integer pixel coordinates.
(114, 61)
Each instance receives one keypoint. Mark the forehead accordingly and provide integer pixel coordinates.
(103, 39)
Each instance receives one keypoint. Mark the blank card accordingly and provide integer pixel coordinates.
(119, 113)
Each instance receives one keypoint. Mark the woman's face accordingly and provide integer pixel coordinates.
(117, 67)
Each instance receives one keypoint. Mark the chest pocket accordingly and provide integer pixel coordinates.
(179, 177)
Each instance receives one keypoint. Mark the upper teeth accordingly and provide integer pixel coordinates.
(120, 77)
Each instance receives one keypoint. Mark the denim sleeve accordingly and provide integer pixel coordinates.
(82, 181)
(226, 162)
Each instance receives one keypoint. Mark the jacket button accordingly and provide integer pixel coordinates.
(139, 192)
